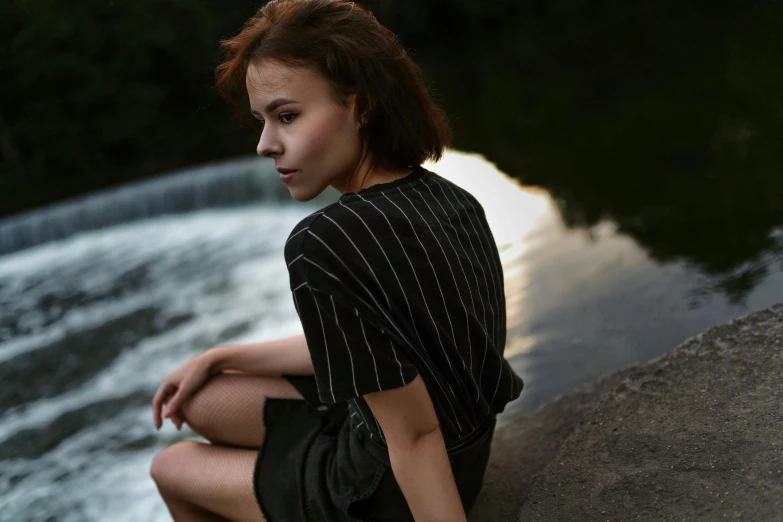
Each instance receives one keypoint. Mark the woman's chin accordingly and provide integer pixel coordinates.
(303, 196)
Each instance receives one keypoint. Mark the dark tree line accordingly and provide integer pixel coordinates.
(665, 117)
(98, 92)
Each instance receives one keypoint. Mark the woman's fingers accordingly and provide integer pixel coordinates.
(157, 403)
(175, 414)
(177, 388)
(177, 419)
(183, 392)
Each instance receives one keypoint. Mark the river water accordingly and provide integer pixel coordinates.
(91, 322)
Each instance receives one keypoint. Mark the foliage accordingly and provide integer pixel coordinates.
(664, 117)
(104, 91)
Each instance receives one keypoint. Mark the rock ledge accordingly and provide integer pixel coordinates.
(696, 434)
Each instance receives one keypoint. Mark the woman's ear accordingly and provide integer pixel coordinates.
(359, 119)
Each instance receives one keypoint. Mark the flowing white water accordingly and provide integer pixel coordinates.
(221, 269)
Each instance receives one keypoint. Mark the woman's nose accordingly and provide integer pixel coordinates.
(267, 144)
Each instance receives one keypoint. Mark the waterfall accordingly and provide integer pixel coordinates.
(224, 184)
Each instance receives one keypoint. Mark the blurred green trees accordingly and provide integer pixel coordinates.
(101, 91)
(664, 117)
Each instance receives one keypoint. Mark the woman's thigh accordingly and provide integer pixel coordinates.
(216, 478)
(229, 409)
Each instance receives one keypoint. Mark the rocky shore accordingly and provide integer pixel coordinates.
(696, 434)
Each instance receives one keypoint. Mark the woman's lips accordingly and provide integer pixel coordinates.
(287, 176)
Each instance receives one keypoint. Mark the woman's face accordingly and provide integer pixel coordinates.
(305, 129)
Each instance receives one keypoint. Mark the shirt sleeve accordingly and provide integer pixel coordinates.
(354, 342)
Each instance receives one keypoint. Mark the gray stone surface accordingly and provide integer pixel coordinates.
(694, 435)
(521, 450)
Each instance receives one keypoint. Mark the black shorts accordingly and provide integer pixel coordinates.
(312, 467)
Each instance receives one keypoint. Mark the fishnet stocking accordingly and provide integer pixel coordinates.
(214, 482)
(229, 409)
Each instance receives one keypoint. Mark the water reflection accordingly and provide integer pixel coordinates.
(582, 302)
(664, 118)
(513, 212)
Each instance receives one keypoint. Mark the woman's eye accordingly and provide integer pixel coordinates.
(287, 117)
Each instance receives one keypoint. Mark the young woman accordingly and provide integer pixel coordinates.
(385, 408)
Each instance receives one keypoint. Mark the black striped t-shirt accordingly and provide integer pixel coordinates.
(400, 279)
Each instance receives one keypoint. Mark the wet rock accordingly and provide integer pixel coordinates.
(692, 435)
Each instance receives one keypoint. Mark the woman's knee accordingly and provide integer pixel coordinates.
(168, 466)
(229, 408)
(202, 410)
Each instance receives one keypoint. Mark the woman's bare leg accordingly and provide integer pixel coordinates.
(214, 482)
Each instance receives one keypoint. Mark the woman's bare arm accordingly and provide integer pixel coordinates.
(273, 358)
(417, 452)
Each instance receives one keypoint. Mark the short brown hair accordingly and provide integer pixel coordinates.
(341, 40)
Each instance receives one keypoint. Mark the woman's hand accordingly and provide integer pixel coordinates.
(179, 386)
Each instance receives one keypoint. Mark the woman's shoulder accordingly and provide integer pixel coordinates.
(294, 244)
(319, 229)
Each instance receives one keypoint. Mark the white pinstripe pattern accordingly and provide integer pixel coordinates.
(369, 349)
(483, 274)
(326, 346)
(391, 265)
(380, 308)
(491, 269)
(413, 234)
(347, 348)
(456, 284)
